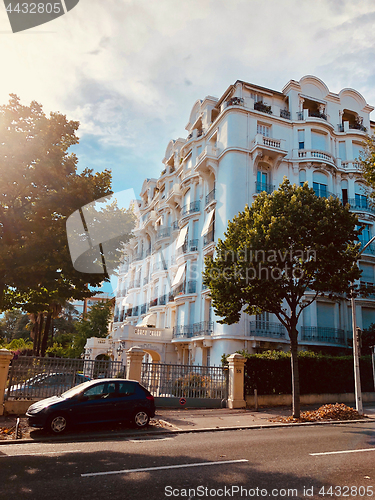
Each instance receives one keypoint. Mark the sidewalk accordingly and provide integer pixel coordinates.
(177, 421)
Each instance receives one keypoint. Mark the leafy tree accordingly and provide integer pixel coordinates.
(94, 324)
(282, 245)
(368, 164)
(13, 325)
(39, 189)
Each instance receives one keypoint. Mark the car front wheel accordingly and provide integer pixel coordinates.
(57, 424)
(141, 418)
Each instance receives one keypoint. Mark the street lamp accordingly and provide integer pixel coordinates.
(357, 375)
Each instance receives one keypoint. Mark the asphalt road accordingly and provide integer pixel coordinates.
(290, 462)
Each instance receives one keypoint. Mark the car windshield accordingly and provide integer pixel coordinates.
(74, 390)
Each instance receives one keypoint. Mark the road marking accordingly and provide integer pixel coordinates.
(44, 453)
(164, 467)
(149, 440)
(338, 452)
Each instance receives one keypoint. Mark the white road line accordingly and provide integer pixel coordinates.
(44, 453)
(338, 452)
(165, 467)
(149, 440)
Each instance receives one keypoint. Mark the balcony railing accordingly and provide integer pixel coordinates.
(235, 101)
(163, 232)
(352, 126)
(303, 153)
(323, 193)
(185, 288)
(190, 246)
(160, 266)
(312, 114)
(261, 186)
(134, 284)
(285, 114)
(162, 300)
(144, 308)
(210, 197)
(260, 106)
(209, 237)
(267, 329)
(203, 328)
(191, 208)
(153, 303)
(323, 334)
(370, 249)
(363, 205)
(175, 226)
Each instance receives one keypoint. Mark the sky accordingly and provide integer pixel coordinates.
(131, 70)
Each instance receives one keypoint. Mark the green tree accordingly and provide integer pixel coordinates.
(368, 164)
(282, 245)
(94, 324)
(13, 325)
(39, 189)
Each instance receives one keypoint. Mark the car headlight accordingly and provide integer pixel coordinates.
(34, 411)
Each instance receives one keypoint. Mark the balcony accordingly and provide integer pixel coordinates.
(190, 246)
(163, 232)
(185, 288)
(323, 335)
(153, 303)
(362, 205)
(209, 237)
(323, 193)
(210, 197)
(314, 153)
(175, 226)
(285, 114)
(267, 329)
(235, 101)
(260, 106)
(370, 249)
(352, 126)
(312, 114)
(351, 165)
(261, 186)
(162, 300)
(159, 266)
(134, 284)
(144, 308)
(190, 208)
(203, 328)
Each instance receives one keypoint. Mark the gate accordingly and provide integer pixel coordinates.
(187, 382)
(38, 378)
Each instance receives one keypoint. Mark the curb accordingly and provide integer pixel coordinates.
(66, 439)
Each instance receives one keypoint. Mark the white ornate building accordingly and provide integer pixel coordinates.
(237, 146)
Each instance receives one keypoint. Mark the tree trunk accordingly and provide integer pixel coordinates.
(40, 329)
(47, 328)
(295, 374)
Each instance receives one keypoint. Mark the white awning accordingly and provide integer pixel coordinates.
(128, 300)
(207, 222)
(182, 237)
(179, 275)
(149, 319)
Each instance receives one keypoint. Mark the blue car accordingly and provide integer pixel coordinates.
(101, 400)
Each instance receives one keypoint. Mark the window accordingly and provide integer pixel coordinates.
(365, 236)
(342, 151)
(318, 141)
(301, 139)
(357, 150)
(302, 177)
(264, 130)
(360, 200)
(262, 181)
(320, 189)
(256, 97)
(126, 389)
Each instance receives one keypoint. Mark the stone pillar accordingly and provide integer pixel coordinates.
(236, 381)
(134, 358)
(5, 357)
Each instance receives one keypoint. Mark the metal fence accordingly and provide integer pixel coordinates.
(33, 378)
(186, 381)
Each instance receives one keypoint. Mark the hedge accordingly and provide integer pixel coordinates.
(319, 374)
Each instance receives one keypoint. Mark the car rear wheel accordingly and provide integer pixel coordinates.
(141, 418)
(57, 424)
